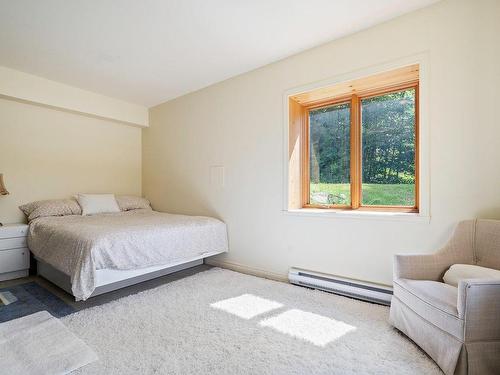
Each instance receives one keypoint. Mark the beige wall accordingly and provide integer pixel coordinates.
(47, 153)
(239, 124)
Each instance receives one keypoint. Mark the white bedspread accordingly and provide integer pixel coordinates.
(80, 245)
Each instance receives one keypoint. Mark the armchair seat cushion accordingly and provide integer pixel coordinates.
(434, 301)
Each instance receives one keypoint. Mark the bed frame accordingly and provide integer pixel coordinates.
(108, 280)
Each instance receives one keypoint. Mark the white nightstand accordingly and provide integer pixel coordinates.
(14, 253)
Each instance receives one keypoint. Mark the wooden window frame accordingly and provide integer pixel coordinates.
(356, 150)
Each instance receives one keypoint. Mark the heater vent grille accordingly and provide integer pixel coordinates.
(346, 287)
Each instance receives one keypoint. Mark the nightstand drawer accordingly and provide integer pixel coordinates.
(13, 243)
(13, 230)
(14, 260)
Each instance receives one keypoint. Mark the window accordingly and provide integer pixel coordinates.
(355, 145)
(330, 155)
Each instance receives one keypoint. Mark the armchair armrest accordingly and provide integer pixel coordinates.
(421, 266)
(479, 305)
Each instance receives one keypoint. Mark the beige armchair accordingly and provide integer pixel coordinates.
(458, 327)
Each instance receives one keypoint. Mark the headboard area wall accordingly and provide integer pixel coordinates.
(47, 153)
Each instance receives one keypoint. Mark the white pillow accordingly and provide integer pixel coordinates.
(459, 272)
(97, 203)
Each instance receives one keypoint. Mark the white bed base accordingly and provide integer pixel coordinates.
(108, 280)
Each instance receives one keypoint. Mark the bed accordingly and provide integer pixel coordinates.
(91, 255)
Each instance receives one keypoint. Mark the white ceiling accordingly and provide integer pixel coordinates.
(150, 51)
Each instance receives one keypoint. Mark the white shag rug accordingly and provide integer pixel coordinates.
(224, 322)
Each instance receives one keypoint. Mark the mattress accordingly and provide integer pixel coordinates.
(81, 245)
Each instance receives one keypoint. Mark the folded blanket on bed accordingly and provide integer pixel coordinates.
(80, 245)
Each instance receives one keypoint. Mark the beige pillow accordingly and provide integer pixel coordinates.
(92, 204)
(459, 272)
(130, 202)
(54, 207)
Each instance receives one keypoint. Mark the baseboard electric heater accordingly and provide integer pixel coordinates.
(340, 285)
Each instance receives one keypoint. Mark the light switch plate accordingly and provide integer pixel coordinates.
(217, 176)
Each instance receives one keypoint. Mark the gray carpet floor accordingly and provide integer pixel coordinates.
(104, 298)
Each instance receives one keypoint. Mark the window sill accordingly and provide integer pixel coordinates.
(363, 215)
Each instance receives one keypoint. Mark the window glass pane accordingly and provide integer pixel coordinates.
(388, 147)
(329, 147)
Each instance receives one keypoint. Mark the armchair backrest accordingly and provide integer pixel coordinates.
(475, 242)
(487, 243)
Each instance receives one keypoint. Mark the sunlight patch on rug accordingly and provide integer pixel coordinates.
(246, 306)
(314, 328)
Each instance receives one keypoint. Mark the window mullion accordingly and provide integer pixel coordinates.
(355, 153)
